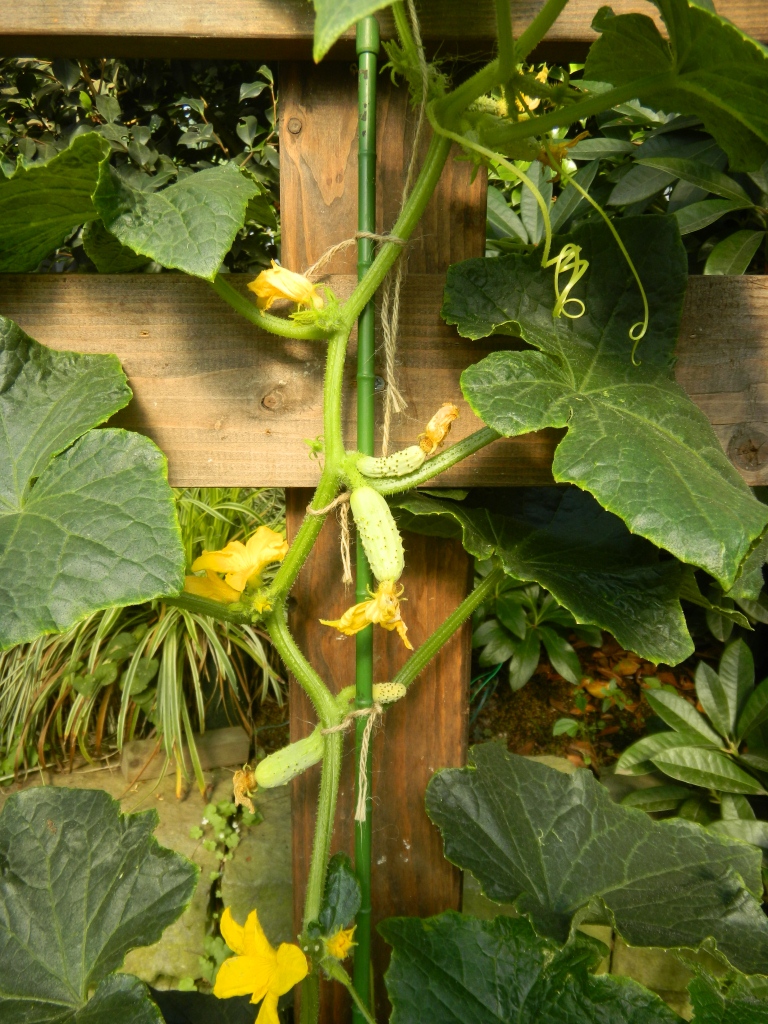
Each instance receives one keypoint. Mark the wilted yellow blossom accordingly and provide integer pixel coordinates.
(438, 427)
(556, 152)
(340, 943)
(526, 103)
(243, 784)
(279, 283)
(212, 587)
(244, 563)
(258, 970)
(383, 608)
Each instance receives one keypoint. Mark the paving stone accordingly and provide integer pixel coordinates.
(259, 876)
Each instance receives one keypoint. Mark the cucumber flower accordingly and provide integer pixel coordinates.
(212, 587)
(243, 564)
(279, 283)
(339, 945)
(258, 970)
(438, 427)
(383, 607)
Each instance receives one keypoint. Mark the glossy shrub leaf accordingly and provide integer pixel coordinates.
(756, 758)
(582, 555)
(497, 645)
(701, 215)
(595, 149)
(341, 900)
(525, 660)
(708, 68)
(680, 715)
(755, 832)
(733, 254)
(87, 518)
(737, 675)
(107, 254)
(755, 711)
(40, 206)
(569, 200)
(713, 698)
(634, 439)
(530, 211)
(707, 768)
(739, 1000)
(334, 17)
(563, 657)
(453, 969)
(501, 218)
(188, 226)
(734, 807)
(636, 760)
(512, 614)
(553, 843)
(701, 174)
(81, 884)
(657, 798)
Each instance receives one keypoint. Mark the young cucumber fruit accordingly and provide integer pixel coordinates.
(378, 533)
(397, 464)
(286, 764)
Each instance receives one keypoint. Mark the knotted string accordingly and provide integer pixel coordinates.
(373, 714)
(342, 503)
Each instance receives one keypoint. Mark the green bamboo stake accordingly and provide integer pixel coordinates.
(367, 51)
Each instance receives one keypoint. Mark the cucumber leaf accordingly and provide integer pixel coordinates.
(81, 884)
(737, 1000)
(334, 17)
(87, 519)
(452, 969)
(583, 555)
(634, 439)
(554, 844)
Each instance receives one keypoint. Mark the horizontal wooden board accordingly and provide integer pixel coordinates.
(277, 29)
(230, 405)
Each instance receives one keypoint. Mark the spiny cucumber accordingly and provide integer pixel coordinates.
(378, 533)
(397, 464)
(279, 768)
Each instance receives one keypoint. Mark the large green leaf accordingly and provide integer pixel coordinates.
(453, 969)
(708, 68)
(188, 226)
(554, 843)
(737, 1000)
(583, 555)
(80, 885)
(41, 206)
(635, 439)
(86, 516)
(334, 17)
(636, 759)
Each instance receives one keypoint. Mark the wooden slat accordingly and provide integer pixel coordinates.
(319, 188)
(230, 405)
(277, 29)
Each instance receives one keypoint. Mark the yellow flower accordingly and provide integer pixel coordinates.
(244, 563)
(340, 944)
(530, 102)
(382, 608)
(279, 283)
(212, 587)
(438, 427)
(557, 152)
(258, 970)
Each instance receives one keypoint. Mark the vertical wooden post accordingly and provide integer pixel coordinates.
(427, 730)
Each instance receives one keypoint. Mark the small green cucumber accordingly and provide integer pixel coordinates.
(279, 768)
(383, 693)
(378, 533)
(396, 464)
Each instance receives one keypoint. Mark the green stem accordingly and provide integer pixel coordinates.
(421, 657)
(506, 62)
(215, 609)
(404, 227)
(267, 322)
(403, 29)
(322, 699)
(438, 463)
(337, 972)
(326, 812)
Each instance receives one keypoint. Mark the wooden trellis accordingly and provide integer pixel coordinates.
(232, 406)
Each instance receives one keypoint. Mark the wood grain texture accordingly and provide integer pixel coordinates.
(230, 405)
(279, 29)
(319, 203)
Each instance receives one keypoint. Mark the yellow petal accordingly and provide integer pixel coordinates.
(211, 587)
(230, 559)
(340, 944)
(256, 943)
(438, 427)
(353, 620)
(268, 1012)
(235, 978)
(292, 967)
(232, 932)
(243, 563)
(265, 546)
(279, 283)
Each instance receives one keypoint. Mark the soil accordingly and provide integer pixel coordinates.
(524, 719)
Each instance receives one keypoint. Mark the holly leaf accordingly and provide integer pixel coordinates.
(334, 17)
(451, 969)
(708, 68)
(584, 556)
(554, 844)
(40, 206)
(80, 885)
(87, 518)
(634, 439)
(188, 226)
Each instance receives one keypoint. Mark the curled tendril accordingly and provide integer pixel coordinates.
(568, 260)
